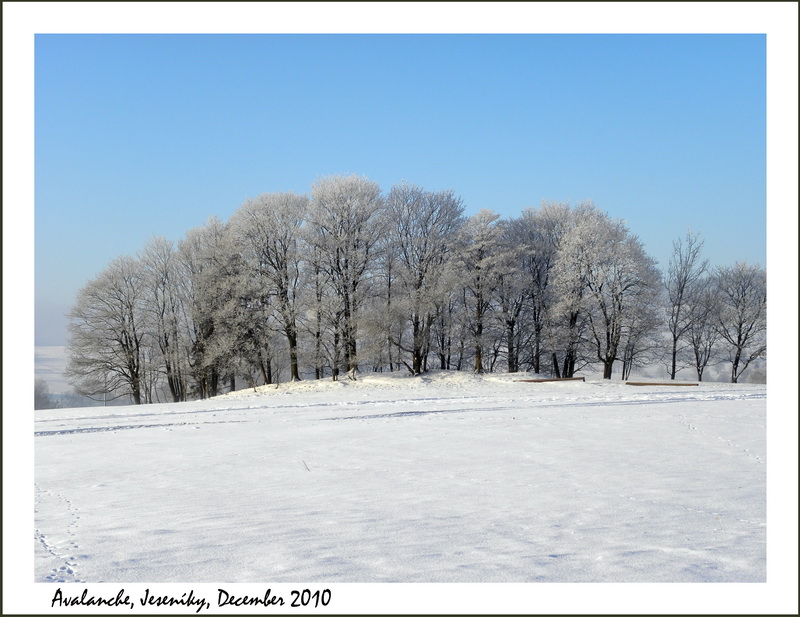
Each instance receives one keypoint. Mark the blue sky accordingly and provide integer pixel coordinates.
(142, 135)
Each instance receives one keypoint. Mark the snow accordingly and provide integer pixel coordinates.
(449, 477)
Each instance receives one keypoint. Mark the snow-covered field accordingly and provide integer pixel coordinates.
(443, 478)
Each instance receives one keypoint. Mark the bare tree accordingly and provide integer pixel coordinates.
(682, 284)
(106, 348)
(742, 314)
(642, 342)
(703, 332)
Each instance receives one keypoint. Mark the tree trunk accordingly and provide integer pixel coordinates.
(291, 336)
(513, 365)
(266, 368)
(336, 353)
(735, 367)
(318, 351)
(673, 369)
(569, 364)
(416, 352)
(479, 342)
(478, 358)
(555, 366)
(136, 392)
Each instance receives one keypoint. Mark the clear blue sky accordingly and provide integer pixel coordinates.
(142, 135)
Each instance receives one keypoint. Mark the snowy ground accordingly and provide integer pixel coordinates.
(448, 478)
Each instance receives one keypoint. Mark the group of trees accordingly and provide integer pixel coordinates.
(709, 313)
(41, 396)
(347, 279)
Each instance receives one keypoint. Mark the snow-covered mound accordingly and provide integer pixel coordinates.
(444, 477)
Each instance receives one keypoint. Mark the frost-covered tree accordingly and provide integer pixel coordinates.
(164, 304)
(568, 320)
(621, 281)
(389, 318)
(448, 330)
(422, 226)
(605, 274)
(480, 259)
(345, 226)
(540, 233)
(682, 283)
(742, 314)
(315, 321)
(211, 270)
(267, 231)
(513, 294)
(107, 352)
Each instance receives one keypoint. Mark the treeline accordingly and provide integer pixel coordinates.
(349, 279)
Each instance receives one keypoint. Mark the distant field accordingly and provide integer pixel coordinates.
(49, 364)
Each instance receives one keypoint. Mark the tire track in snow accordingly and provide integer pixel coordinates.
(268, 407)
(536, 405)
(150, 414)
(125, 427)
(647, 399)
(400, 414)
(658, 401)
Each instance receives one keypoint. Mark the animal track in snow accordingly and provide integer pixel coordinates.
(64, 550)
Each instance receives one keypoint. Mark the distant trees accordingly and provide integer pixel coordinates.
(41, 396)
(348, 277)
(708, 310)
